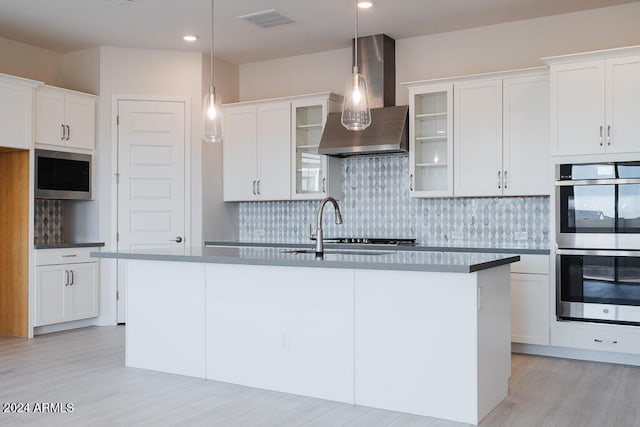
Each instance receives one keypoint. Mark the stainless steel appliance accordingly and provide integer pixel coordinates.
(598, 285)
(598, 235)
(62, 175)
(389, 130)
(598, 205)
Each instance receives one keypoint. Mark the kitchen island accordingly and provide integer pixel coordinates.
(426, 333)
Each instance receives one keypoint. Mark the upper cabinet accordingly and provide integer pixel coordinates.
(431, 140)
(480, 136)
(314, 176)
(270, 150)
(501, 136)
(65, 118)
(16, 111)
(595, 102)
(257, 151)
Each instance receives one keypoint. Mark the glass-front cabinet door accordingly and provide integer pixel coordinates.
(315, 176)
(430, 141)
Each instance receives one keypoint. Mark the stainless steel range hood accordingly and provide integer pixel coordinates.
(388, 132)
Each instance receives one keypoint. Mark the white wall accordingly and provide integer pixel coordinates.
(219, 219)
(30, 62)
(507, 46)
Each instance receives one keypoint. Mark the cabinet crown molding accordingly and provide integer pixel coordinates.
(596, 54)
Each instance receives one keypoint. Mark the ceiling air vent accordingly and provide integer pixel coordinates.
(267, 18)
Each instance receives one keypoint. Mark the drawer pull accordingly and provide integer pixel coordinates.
(605, 341)
(69, 256)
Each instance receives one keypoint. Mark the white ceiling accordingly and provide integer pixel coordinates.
(320, 25)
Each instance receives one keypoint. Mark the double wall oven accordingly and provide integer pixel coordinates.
(598, 236)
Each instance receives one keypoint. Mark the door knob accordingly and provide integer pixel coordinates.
(177, 239)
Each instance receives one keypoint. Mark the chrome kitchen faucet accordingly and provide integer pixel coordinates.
(318, 234)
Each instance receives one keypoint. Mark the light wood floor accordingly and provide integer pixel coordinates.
(86, 367)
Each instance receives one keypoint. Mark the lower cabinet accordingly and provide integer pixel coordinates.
(530, 300)
(65, 291)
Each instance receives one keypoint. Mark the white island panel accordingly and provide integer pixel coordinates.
(281, 328)
(165, 317)
(432, 344)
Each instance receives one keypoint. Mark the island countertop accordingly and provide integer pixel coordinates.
(379, 259)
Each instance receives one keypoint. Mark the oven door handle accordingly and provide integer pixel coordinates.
(598, 252)
(610, 181)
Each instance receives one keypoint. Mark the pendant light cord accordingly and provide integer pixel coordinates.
(211, 59)
(355, 50)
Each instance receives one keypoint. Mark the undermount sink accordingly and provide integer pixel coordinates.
(337, 252)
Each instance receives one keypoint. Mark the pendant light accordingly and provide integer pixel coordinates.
(212, 105)
(355, 108)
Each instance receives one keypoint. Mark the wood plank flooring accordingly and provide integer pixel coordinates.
(85, 367)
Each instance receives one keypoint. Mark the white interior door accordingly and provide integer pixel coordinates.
(152, 196)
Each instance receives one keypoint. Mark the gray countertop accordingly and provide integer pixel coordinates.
(385, 259)
(68, 245)
(521, 249)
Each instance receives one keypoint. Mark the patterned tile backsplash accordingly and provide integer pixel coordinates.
(376, 203)
(48, 221)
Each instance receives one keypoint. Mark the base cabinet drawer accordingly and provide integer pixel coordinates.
(619, 339)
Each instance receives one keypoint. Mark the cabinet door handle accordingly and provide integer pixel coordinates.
(66, 277)
(504, 179)
(63, 132)
(601, 130)
(411, 182)
(253, 183)
(68, 132)
(324, 182)
(258, 186)
(605, 341)
(609, 135)
(499, 179)
(71, 274)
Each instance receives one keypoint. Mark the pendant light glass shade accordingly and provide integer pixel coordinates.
(212, 105)
(212, 112)
(356, 114)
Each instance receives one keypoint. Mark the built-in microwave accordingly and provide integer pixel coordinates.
(598, 205)
(62, 175)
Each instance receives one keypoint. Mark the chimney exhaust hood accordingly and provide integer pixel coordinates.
(388, 132)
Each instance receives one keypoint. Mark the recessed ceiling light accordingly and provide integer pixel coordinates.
(189, 38)
(365, 4)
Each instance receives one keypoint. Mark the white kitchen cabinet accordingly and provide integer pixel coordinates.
(66, 285)
(595, 102)
(501, 129)
(257, 151)
(431, 140)
(593, 336)
(65, 118)
(16, 111)
(314, 176)
(530, 300)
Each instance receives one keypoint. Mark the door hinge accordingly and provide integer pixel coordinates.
(117, 295)
(117, 237)
(118, 120)
(117, 178)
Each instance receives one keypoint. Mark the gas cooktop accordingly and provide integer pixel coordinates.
(371, 241)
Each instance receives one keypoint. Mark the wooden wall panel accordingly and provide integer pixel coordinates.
(14, 242)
